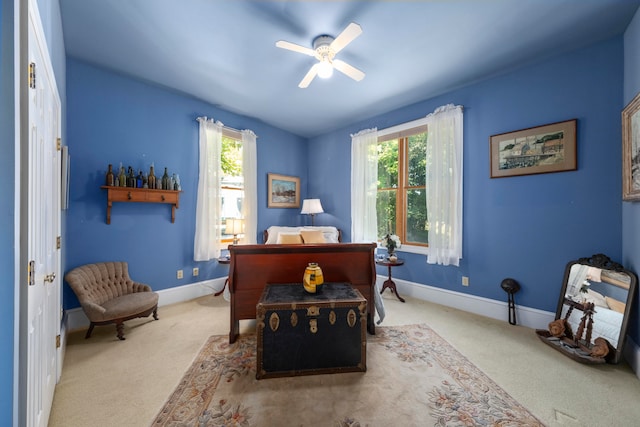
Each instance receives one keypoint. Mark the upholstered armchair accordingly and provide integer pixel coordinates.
(108, 295)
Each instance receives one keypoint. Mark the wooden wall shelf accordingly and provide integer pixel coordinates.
(143, 195)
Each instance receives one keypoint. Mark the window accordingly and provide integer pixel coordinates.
(401, 202)
(234, 173)
(396, 175)
(231, 180)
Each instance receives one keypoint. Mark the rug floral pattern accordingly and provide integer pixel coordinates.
(413, 378)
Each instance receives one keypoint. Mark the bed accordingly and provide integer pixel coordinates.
(254, 266)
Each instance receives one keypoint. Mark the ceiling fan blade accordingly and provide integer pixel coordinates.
(352, 31)
(349, 70)
(313, 71)
(295, 47)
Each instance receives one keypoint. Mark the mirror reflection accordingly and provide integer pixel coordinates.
(591, 319)
(607, 290)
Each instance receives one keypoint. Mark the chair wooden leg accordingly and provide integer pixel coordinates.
(89, 331)
(155, 313)
(120, 330)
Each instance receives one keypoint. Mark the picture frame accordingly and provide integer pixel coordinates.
(541, 149)
(284, 191)
(631, 150)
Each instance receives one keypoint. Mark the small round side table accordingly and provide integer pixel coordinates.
(389, 283)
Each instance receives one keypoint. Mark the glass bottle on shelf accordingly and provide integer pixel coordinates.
(176, 182)
(131, 179)
(110, 177)
(165, 180)
(139, 180)
(151, 180)
(122, 178)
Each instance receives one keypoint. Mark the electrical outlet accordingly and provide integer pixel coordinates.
(196, 271)
(180, 274)
(465, 281)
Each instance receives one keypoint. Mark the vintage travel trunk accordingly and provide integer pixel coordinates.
(302, 334)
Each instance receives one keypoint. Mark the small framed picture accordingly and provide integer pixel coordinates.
(631, 150)
(541, 149)
(284, 191)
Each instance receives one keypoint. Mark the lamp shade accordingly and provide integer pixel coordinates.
(311, 207)
(235, 226)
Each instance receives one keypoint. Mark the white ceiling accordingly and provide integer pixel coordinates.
(223, 51)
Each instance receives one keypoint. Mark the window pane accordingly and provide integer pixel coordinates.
(388, 164)
(232, 183)
(386, 210)
(231, 207)
(231, 157)
(417, 160)
(417, 216)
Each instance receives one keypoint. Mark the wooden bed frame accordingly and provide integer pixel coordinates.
(254, 266)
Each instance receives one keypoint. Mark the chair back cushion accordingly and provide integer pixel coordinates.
(100, 282)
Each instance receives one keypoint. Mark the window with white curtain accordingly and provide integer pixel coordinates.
(227, 187)
(417, 171)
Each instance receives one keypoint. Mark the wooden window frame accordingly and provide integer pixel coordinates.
(402, 134)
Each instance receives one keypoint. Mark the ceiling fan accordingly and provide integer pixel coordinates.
(324, 50)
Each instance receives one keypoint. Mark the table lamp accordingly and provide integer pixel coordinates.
(311, 207)
(235, 226)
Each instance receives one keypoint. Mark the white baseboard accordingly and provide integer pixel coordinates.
(76, 319)
(525, 316)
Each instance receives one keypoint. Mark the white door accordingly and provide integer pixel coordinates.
(43, 192)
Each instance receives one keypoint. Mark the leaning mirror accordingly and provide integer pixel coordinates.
(591, 319)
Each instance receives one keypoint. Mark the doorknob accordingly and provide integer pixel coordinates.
(50, 277)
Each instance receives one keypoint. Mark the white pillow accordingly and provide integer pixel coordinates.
(274, 230)
(330, 233)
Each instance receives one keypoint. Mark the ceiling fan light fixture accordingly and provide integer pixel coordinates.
(325, 69)
(324, 50)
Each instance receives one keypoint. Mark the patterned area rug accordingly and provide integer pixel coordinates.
(413, 378)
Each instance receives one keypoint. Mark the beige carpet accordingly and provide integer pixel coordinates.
(413, 375)
(106, 382)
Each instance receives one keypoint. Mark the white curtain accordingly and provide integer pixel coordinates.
(208, 234)
(444, 185)
(250, 202)
(364, 186)
(364, 189)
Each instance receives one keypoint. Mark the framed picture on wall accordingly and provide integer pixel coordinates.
(630, 150)
(541, 149)
(284, 191)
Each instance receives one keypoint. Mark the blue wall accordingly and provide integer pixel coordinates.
(525, 227)
(631, 211)
(113, 119)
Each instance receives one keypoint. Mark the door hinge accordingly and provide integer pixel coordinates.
(58, 242)
(32, 75)
(58, 341)
(58, 144)
(31, 272)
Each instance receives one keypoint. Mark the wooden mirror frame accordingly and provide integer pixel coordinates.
(602, 262)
